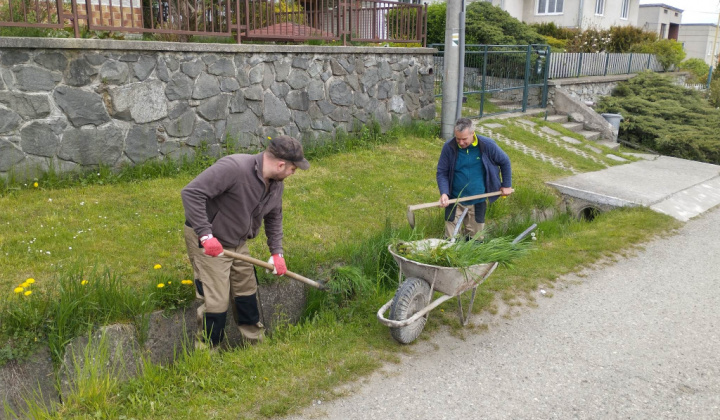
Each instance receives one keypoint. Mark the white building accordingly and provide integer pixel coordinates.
(599, 14)
(662, 19)
(698, 40)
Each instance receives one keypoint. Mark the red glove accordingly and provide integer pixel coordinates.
(212, 247)
(279, 263)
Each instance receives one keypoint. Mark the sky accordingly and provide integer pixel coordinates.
(694, 11)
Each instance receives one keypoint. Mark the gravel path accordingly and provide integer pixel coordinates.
(637, 339)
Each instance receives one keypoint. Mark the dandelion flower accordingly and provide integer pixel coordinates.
(35, 185)
(83, 283)
(187, 282)
(25, 285)
(161, 285)
(18, 290)
(157, 266)
(28, 293)
(169, 282)
(30, 281)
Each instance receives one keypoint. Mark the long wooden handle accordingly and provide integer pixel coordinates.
(263, 264)
(454, 200)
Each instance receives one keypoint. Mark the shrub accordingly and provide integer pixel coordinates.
(590, 41)
(485, 24)
(698, 68)
(436, 23)
(557, 45)
(549, 29)
(622, 38)
(666, 118)
(669, 52)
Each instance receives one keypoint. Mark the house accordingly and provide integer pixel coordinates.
(599, 14)
(699, 39)
(662, 19)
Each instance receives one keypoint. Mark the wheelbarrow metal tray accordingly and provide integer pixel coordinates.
(449, 280)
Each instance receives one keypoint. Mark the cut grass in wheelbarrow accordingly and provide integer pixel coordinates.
(453, 269)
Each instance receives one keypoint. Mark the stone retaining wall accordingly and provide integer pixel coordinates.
(79, 103)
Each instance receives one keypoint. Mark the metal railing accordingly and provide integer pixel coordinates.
(499, 78)
(566, 65)
(267, 20)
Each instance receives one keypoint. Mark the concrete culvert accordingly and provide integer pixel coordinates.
(588, 213)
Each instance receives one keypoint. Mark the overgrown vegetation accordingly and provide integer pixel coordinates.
(463, 254)
(341, 217)
(485, 24)
(667, 118)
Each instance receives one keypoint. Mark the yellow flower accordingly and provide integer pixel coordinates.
(83, 283)
(18, 290)
(157, 266)
(269, 138)
(25, 285)
(30, 281)
(35, 185)
(169, 282)
(28, 293)
(161, 285)
(187, 282)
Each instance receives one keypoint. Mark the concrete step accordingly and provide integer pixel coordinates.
(574, 126)
(590, 135)
(690, 202)
(559, 118)
(609, 144)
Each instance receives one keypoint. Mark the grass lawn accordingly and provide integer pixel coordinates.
(342, 211)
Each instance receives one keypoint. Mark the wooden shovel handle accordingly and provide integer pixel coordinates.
(454, 200)
(263, 264)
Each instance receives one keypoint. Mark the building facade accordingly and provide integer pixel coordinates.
(699, 40)
(662, 19)
(599, 14)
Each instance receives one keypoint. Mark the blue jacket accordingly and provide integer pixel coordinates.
(495, 161)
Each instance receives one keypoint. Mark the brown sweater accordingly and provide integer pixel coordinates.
(228, 199)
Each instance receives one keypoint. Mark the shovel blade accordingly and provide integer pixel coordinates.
(411, 218)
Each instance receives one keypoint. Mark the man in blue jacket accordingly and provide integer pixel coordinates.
(470, 165)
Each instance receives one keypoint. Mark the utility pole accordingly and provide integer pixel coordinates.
(451, 70)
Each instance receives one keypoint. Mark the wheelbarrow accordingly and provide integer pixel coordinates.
(411, 306)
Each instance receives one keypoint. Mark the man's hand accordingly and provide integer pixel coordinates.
(505, 191)
(444, 200)
(278, 262)
(212, 247)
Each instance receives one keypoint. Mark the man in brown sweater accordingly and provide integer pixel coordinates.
(224, 207)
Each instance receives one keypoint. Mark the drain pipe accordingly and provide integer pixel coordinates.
(580, 13)
(461, 70)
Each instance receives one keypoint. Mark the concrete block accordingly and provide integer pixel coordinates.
(30, 379)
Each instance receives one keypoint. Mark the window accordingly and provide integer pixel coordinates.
(663, 29)
(625, 9)
(550, 7)
(600, 7)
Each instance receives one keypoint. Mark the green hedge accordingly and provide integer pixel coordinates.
(667, 118)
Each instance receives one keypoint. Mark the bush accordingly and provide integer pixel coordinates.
(590, 41)
(436, 23)
(557, 45)
(669, 52)
(667, 118)
(698, 68)
(485, 24)
(549, 29)
(623, 38)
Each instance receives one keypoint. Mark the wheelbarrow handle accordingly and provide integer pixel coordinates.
(263, 264)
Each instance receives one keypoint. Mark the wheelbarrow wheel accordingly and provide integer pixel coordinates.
(411, 297)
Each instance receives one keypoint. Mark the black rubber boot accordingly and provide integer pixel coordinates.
(215, 327)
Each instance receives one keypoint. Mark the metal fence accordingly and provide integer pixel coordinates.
(499, 78)
(273, 20)
(564, 65)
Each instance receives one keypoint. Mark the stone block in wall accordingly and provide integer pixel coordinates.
(80, 73)
(81, 107)
(112, 350)
(10, 155)
(31, 379)
(42, 138)
(275, 111)
(92, 146)
(141, 143)
(205, 86)
(9, 120)
(35, 79)
(140, 102)
(27, 106)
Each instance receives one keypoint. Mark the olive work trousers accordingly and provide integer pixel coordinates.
(471, 226)
(225, 283)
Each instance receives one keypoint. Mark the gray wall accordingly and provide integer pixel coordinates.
(76, 102)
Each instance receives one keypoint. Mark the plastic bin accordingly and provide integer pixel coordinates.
(614, 120)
